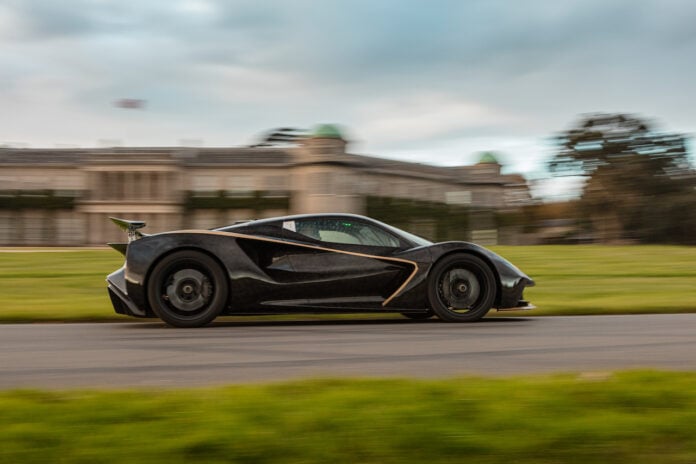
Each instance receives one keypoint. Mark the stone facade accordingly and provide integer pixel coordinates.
(65, 196)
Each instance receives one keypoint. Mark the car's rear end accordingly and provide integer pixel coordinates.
(117, 285)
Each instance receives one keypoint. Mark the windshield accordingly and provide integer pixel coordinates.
(420, 241)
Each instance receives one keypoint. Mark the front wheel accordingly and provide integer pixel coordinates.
(461, 288)
(187, 289)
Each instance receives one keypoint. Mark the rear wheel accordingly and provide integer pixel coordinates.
(187, 289)
(461, 288)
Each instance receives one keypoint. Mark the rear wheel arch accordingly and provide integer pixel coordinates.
(168, 253)
(159, 258)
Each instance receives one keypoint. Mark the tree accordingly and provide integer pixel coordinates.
(634, 176)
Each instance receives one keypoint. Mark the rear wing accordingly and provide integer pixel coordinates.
(131, 227)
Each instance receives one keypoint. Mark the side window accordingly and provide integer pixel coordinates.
(336, 236)
(344, 231)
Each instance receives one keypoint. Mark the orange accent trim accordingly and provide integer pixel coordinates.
(314, 247)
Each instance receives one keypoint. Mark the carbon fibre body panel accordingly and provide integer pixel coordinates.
(272, 270)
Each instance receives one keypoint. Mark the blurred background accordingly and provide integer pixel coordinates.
(498, 121)
(489, 121)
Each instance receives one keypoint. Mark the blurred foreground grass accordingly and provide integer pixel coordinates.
(581, 279)
(627, 417)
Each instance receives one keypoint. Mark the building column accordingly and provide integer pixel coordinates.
(152, 185)
(128, 185)
(164, 192)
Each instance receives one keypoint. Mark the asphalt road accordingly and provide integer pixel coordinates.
(151, 354)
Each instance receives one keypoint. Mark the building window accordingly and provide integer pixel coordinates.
(276, 183)
(239, 186)
(204, 185)
(204, 182)
(460, 197)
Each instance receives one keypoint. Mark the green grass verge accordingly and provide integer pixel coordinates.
(627, 417)
(55, 286)
(69, 286)
(595, 279)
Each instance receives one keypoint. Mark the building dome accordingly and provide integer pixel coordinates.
(327, 131)
(488, 158)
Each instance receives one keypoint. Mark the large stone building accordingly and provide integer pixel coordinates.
(65, 196)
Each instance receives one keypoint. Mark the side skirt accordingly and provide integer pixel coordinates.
(312, 309)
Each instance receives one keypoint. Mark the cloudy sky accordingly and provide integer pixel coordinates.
(426, 80)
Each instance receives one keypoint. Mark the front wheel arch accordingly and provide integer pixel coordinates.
(462, 287)
(485, 259)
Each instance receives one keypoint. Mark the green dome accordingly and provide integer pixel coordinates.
(488, 158)
(327, 131)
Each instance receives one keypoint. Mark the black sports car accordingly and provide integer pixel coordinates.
(308, 263)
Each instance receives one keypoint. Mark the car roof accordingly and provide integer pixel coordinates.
(295, 217)
(405, 237)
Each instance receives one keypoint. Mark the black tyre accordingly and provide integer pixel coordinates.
(419, 316)
(187, 289)
(461, 288)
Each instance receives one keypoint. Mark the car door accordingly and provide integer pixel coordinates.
(343, 259)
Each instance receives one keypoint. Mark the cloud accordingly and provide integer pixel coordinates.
(426, 79)
(427, 116)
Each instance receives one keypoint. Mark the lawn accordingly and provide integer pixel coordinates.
(627, 417)
(56, 285)
(581, 279)
(595, 279)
